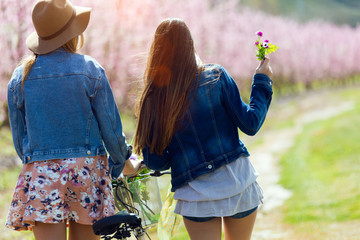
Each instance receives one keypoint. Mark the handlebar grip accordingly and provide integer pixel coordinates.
(159, 173)
(156, 174)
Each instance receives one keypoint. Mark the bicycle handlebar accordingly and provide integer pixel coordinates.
(159, 173)
(152, 174)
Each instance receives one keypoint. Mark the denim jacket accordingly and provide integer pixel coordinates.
(208, 136)
(66, 110)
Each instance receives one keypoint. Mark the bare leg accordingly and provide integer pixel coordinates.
(239, 229)
(79, 231)
(210, 230)
(45, 231)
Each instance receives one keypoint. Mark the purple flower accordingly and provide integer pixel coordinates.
(259, 34)
(267, 41)
(257, 43)
(133, 156)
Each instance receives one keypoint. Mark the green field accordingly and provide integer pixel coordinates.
(322, 169)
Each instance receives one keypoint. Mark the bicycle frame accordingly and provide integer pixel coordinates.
(139, 232)
(127, 220)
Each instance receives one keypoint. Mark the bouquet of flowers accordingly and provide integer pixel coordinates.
(138, 194)
(263, 47)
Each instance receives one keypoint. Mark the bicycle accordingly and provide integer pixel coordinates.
(136, 214)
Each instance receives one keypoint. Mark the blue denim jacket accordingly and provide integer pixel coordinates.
(208, 136)
(66, 110)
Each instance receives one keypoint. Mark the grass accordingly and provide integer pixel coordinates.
(128, 121)
(6, 144)
(322, 169)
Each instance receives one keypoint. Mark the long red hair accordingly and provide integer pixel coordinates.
(169, 77)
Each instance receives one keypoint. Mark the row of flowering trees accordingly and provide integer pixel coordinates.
(120, 32)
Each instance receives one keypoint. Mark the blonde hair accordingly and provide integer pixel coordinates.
(71, 46)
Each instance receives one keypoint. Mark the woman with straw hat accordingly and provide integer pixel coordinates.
(64, 120)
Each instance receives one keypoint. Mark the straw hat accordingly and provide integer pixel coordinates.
(56, 22)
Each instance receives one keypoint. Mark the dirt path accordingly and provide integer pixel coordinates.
(265, 158)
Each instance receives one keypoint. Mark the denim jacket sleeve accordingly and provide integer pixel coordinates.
(248, 117)
(16, 111)
(156, 162)
(108, 117)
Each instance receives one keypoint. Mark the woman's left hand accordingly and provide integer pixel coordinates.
(132, 167)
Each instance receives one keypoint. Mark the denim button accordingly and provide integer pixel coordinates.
(88, 152)
(28, 158)
(209, 166)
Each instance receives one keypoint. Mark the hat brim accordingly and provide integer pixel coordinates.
(78, 26)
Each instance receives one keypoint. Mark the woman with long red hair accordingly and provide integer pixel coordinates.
(188, 119)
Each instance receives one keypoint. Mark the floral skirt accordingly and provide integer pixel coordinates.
(61, 190)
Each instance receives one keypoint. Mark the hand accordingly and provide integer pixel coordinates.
(132, 167)
(264, 67)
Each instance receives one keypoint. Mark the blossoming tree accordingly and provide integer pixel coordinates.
(120, 32)
(14, 27)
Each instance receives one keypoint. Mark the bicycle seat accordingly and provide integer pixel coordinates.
(110, 225)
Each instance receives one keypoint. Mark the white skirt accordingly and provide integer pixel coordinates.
(250, 198)
(229, 190)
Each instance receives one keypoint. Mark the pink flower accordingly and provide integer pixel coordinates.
(257, 43)
(267, 41)
(259, 34)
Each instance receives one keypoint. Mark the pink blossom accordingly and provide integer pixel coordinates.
(267, 41)
(120, 32)
(257, 43)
